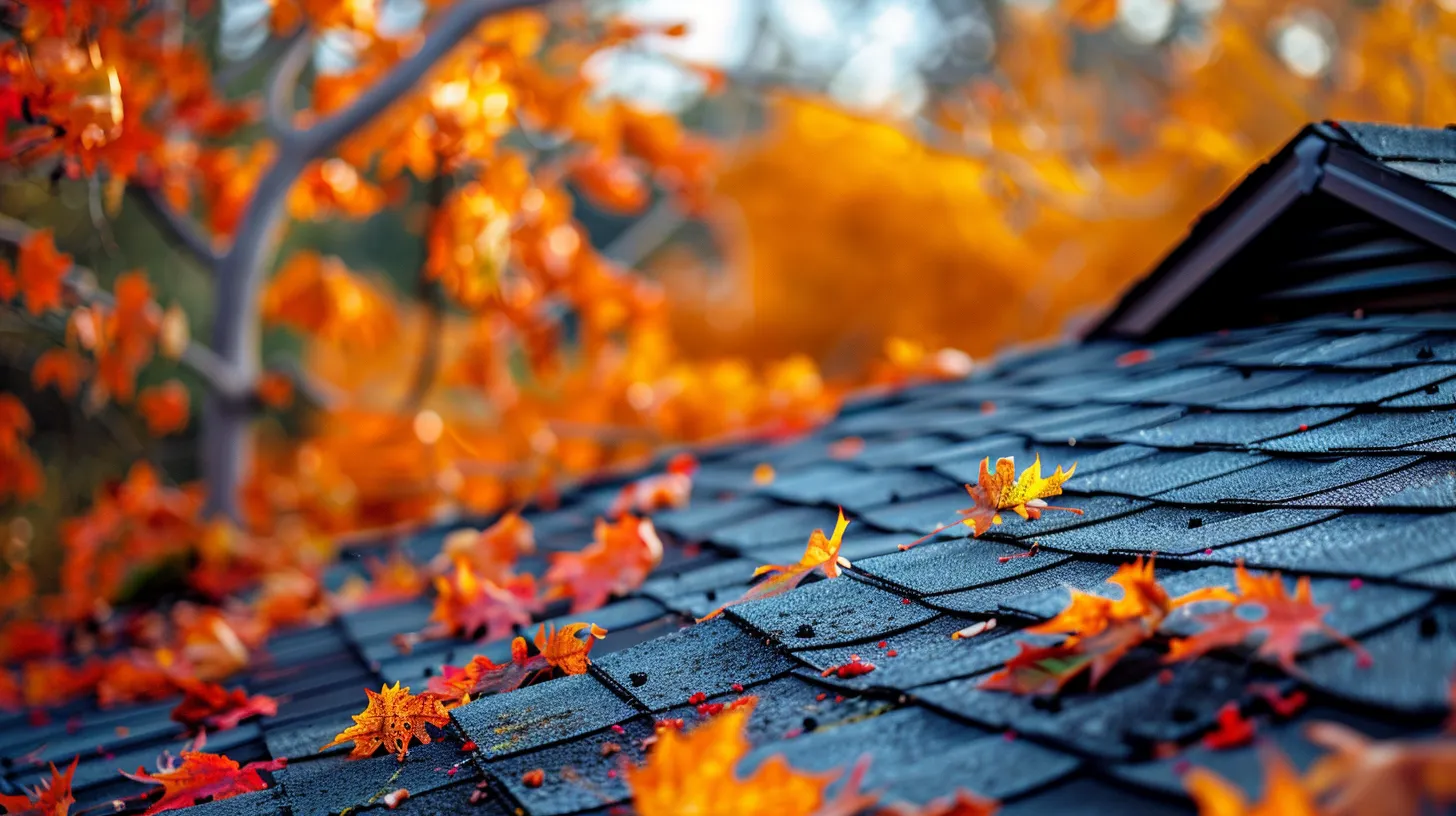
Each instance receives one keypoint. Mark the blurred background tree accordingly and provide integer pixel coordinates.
(887, 177)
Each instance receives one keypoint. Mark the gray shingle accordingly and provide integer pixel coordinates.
(825, 613)
(540, 715)
(709, 658)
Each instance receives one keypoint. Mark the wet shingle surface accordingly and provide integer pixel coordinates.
(1312, 449)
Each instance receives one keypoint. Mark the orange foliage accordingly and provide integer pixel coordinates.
(164, 407)
(491, 552)
(1100, 631)
(617, 561)
(20, 474)
(214, 708)
(391, 719)
(1001, 490)
(1284, 794)
(62, 368)
(663, 491)
(39, 273)
(821, 553)
(1283, 622)
(49, 798)
(695, 772)
(473, 606)
(200, 777)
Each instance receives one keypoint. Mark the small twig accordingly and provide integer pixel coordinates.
(175, 225)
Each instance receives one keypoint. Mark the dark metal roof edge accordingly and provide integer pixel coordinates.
(1321, 157)
(1218, 234)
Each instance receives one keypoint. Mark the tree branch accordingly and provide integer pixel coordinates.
(241, 271)
(453, 27)
(430, 296)
(282, 84)
(80, 283)
(183, 230)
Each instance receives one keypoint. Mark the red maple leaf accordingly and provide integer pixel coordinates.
(203, 776)
(210, 706)
(1282, 620)
(49, 798)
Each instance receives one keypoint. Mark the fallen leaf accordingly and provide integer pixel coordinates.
(1000, 490)
(695, 772)
(470, 606)
(492, 552)
(564, 650)
(664, 491)
(621, 556)
(1099, 632)
(391, 719)
(1283, 623)
(457, 685)
(1091, 15)
(210, 707)
(1284, 793)
(51, 797)
(821, 553)
(1391, 777)
(203, 777)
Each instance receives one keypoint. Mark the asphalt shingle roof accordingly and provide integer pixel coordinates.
(1270, 481)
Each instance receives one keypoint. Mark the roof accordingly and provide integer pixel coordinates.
(1345, 216)
(1321, 447)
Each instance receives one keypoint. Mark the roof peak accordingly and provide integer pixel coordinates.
(1345, 216)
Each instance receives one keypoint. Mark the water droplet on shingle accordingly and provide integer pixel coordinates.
(1194, 523)
(638, 678)
(804, 631)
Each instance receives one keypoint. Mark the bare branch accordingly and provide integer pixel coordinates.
(80, 283)
(183, 230)
(283, 83)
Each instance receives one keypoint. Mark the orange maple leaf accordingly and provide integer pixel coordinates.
(1000, 490)
(1284, 622)
(559, 649)
(391, 580)
(457, 685)
(391, 719)
(41, 271)
(1396, 777)
(210, 706)
(165, 407)
(663, 491)
(621, 556)
(694, 772)
(1284, 793)
(59, 367)
(1099, 632)
(51, 797)
(468, 605)
(203, 777)
(822, 553)
(564, 650)
(492, 552)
